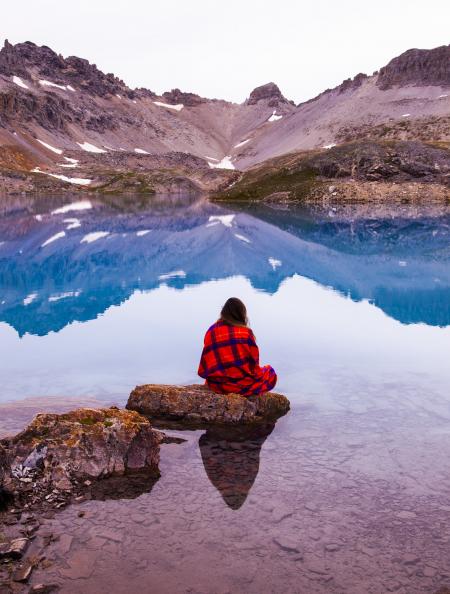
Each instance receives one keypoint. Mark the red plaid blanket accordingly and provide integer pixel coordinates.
(230, 362)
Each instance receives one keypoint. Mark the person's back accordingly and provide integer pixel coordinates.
(230, 357)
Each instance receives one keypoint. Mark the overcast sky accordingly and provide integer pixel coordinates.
(225, 49)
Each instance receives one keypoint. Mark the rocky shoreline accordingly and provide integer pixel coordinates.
(64, 459)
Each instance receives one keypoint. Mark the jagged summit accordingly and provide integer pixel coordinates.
(268, 92)
(417, 67)
(26, 59)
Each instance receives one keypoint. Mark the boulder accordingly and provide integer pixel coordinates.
(196, 404)
(84, 443)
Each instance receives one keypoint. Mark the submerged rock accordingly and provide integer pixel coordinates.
(85, 443)
(197, 404)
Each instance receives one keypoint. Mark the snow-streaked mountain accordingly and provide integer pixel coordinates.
(52, 107)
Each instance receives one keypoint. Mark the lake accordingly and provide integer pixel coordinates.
(349, 303)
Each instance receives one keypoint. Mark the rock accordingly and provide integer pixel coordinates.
(281, 511)
(80, 565)
(22, 574)
(197, 404)
(94, 443)
(268, 92)
(287, 543)
(332, 547)
(417, 67)
(14, 549)
(5, 496)
(410, 559)
(177, 97)
(43, 588)
(406, 515)
(429, 571)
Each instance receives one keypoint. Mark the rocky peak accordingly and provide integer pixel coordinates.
(175, 97)
(268, 92)
(417, 67)
(23, 58)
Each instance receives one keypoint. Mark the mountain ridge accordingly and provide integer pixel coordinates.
(57, 112)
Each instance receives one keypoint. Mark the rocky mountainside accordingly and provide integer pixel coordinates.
(64, 122)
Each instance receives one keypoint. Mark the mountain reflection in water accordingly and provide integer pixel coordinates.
(72, 265)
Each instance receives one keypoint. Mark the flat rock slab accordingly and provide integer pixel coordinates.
(197, 405)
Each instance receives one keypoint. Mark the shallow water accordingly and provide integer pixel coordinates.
(347, 493)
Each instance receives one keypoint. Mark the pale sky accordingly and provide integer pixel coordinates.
(225, 49)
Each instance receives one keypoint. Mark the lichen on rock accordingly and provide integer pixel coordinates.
(84, 443)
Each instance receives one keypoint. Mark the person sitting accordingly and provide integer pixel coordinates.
(230, 356)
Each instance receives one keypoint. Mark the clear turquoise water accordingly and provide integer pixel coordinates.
(351, 305)
(339, 301)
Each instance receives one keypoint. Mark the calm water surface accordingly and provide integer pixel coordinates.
(350, 492)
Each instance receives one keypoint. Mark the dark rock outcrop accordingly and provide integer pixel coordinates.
(175, 97)
(85, 443)
(373, 161)
(49, 110)
(417, 67)
(19, 59)
(198, 405)
(5, 497)
(268, 92)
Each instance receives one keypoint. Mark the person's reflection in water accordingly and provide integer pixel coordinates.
(231, 460)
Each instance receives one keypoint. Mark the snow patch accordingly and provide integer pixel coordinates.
(30, 298)
(224, 164)
(70, 88)
(64, 295)
(174, 274)
(274, 117)
(242, 238)
(402, 263)
(242, 143)
(50, 147)
(72, 223)
(141, 151)
(80, 205)
(68, 165)
(38, 217)
(90, 148)
(47, 83)
(53, 238)
(142, 232)
(406, 115)
(19, 82)
(94, 236)
(178, 107)
(70, 180)
(211, 158)
(226, 220)
(118, 96)
(274, 263)
(442, 96)
(329, 146)
(69, 160)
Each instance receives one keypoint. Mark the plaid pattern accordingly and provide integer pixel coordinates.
(230, 362)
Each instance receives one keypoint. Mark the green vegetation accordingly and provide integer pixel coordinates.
(291, 173)
(88, 421)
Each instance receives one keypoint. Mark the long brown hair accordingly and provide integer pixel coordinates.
(234, 312)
